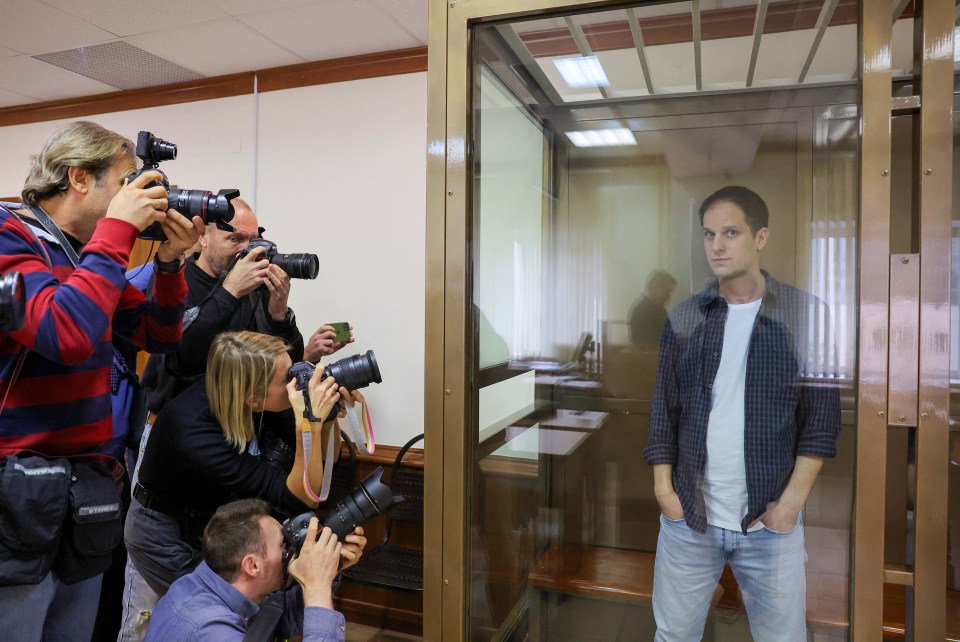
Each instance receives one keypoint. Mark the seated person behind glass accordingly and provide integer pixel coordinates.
(203, 452)
(243, 554)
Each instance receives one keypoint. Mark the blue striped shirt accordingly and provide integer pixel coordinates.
(790, 409)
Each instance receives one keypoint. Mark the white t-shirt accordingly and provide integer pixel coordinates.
(725, 480)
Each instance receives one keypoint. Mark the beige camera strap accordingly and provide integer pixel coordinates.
(329, 460)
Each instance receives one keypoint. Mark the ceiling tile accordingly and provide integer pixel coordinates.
(34, 28)
(240, 7)
(120, 64)
(37, 79)
(411, 14)
(332, 29)
(215, 48)
(11, 98)
(129, 17)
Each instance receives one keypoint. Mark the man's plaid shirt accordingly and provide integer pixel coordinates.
(790, 410)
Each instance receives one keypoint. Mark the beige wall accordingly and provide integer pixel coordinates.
(337, 170)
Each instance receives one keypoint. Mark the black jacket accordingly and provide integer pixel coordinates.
(210, 311)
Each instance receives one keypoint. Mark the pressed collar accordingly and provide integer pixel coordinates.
(236, 601)
(711, 294)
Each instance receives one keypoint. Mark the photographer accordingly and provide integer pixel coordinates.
(205, 450)
(225, 294)
(242, 563)
(71, 238)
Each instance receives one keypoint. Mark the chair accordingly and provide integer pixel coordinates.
(388, 565)
(343, 478)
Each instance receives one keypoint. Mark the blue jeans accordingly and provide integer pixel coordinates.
(50, 611)
(139, 601)
(769, 567)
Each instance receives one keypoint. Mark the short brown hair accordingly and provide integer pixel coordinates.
(233, 532)
(80, 144)
(750, 203)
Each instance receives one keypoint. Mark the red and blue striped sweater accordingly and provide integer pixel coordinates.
(59, 403)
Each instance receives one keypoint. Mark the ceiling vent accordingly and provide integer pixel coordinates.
(121, 65)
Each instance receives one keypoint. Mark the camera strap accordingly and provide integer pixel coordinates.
(53, 229)
(264, 623)
(363, 439)
(307, 439)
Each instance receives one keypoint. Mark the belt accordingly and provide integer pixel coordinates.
(150, 500)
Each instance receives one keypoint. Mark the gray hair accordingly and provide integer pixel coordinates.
(80, 144)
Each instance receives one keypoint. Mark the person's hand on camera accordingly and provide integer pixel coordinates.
(323, 393)
(181, 233)
(317, 565)
(247, 274)
(353, 547)
(278, 284)
(348, 397)
(139, 205)
(297, 402)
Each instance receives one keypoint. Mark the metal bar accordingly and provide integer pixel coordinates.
(903, 384)
(757, 34)
(823, 21)
(577, 33)
(450, 393)
(698, 69)
(869, 510)
(529, 62)
(898, 574)
(905, 104)
(935, 43)
(898, 9)
(638, 44)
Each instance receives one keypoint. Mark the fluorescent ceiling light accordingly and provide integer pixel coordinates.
(602, 137)
(582, 71)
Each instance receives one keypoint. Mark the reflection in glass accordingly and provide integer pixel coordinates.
(581, 249)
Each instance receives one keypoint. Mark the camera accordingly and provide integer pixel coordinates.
(297, 266)
(358, 371)
(212, 208)
(13, 302)
(370, 499)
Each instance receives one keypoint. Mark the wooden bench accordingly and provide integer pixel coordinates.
(627, 576)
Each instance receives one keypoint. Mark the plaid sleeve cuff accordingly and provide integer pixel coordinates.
(655, 454)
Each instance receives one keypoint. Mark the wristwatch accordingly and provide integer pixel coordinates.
(168, 267)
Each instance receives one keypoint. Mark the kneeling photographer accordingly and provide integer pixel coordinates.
(205, 450)
(234, 593)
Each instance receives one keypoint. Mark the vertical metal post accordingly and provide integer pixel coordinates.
(876, 89)
(934, 55)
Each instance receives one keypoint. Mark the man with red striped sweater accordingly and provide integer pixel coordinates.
(71, 239)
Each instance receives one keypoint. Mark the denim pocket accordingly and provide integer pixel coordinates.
(682, 520)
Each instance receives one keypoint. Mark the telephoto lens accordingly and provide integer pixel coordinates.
(13, 302)
(358, 371)
(371, 499)
(298, 266)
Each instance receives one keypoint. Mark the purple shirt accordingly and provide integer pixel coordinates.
(203, 606)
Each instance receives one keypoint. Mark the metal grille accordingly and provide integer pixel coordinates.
(121, 65)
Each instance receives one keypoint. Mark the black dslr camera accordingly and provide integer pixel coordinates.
(370, 499)
(13, 302)
(298, 266)
(212, 208)
(358, 371)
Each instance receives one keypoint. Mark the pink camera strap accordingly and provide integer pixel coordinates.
(363, 438)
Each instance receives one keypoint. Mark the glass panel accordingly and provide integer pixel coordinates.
(585, 235)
